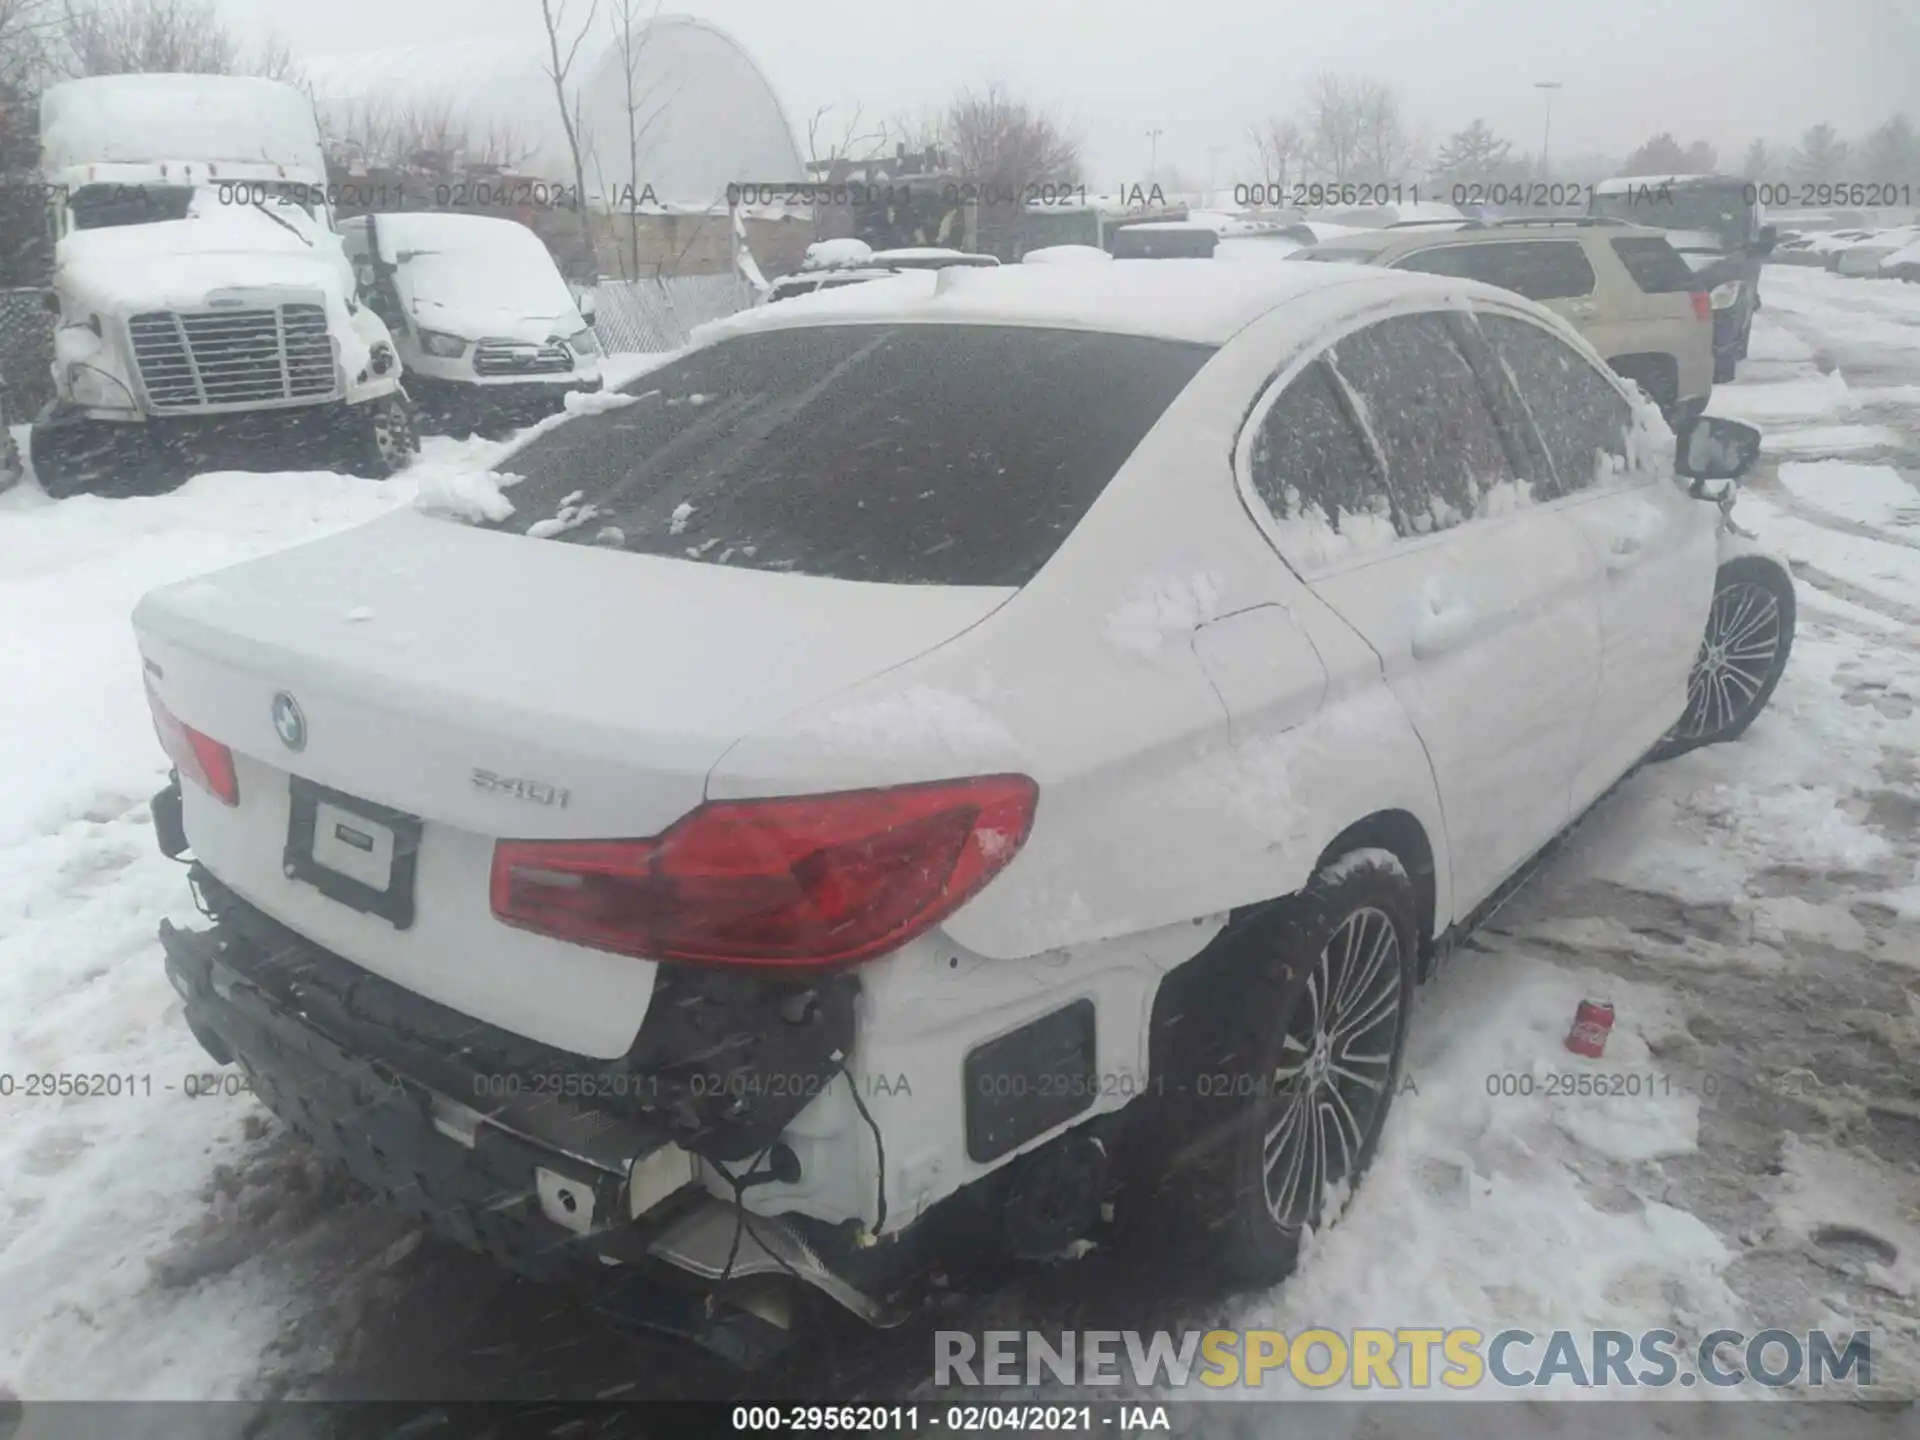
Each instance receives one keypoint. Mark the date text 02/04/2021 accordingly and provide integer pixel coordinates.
(1010, 1419)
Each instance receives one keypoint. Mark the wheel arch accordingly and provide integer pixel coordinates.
(1401, 834)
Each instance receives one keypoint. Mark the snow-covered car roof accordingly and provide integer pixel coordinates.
(402, 230)
(1193, 300)
(1621, 184)
(1909, 255)
(930, 255)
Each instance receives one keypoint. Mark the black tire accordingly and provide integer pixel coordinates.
(384, 437)
(1226, 1028)
(78, 457)
(1742, 656)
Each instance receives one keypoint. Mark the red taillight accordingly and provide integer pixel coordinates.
(200, 758)
(1702, 304)
(812, 882)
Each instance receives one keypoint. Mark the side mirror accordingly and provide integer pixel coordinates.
(1711, 448)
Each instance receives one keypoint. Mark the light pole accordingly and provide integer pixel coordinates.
(1153, 155)
(1546, 134)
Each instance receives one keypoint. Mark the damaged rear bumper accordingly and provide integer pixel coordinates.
(550, 1185)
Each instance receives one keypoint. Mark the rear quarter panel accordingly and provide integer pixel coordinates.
(1162, 682)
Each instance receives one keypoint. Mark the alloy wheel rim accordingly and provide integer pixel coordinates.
(1336, 1061)
(1742, 642)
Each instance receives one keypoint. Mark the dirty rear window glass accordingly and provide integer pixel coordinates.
(1655, 265)
(901, 454)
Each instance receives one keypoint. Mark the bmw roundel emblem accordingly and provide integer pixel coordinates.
(288, 722)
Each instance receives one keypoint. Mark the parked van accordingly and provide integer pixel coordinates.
(489, 331)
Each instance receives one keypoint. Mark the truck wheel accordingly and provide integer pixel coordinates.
(1282, 1045)
(1742, 656)
(387, 439)
(78, 457)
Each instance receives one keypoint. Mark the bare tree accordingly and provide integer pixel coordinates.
(1281, 146)
(1335, 121)
(122, 37)
(559, 70)
(1008, 144)
(827, 149)
(430, 137)
(148, 35)
(643, 106)
(1385, 149)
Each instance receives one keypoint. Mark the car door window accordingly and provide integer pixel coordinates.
(1581, 418)
(1537, 269)
(1311, 468)
(1419, 401)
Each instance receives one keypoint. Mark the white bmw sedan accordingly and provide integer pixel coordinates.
(958, 764)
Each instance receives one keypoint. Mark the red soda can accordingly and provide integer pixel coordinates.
(1592, 1023)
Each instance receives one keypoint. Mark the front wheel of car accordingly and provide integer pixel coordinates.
(1742, 656)
(1278, 1054)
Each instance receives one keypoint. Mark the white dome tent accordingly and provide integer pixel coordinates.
(707, 114)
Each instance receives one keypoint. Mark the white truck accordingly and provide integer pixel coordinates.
(207, 310)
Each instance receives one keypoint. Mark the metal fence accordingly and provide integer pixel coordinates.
(655, 315)
(26, 351)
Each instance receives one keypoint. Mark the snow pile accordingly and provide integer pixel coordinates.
(596, 402)
(122, 1272)
(682, 513)
(460, 493)
(1829, 439)
(1311, 540)
(1869, 494)
(828, 254)
(572, 514)
(1156, 609)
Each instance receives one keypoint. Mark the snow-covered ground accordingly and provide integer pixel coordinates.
(1751, 912)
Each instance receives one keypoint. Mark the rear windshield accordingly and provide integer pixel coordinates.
(902, 454)
(1655, 265)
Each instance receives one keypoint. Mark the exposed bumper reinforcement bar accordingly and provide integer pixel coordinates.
(546, 1184)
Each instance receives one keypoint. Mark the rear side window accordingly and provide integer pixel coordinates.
(1578, 414)
(1537, 269)
(1419, 400)
(1655, 265)
(1308, 462)
(902, 454)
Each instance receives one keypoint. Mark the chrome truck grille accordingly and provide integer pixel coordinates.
(223, 358)
(520, 357)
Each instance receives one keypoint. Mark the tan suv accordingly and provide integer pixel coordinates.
(1623, 287)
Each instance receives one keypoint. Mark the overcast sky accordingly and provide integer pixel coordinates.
(1202, 71)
